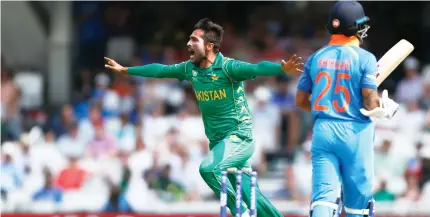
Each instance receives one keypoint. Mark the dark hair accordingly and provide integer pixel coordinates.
(213, 32)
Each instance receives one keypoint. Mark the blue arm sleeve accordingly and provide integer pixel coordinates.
(305, 80)
(369, 68)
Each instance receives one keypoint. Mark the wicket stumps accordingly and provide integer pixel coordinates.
(253, 195)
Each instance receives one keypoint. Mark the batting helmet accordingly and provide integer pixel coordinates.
(348, 18)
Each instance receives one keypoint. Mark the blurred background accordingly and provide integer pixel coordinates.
(78, 138)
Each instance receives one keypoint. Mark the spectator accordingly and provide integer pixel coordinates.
(86, 130)
(126, 134)
(300, 187)
(413, 121)
(285, 191)
(385, 162)
(121, 85)
(65, 119)
(188, 129)
(71, 144)
(102, 81)
(108, 98)
(424, 155)
(285, 100)
(194, 185)
(12, 175)
(425, 99)
(48, 154)
(72, 177)
(155, 126)
(167, 188)
(10, 107)
(412, 192)
(166, 146)
(414, 165)
(140, 160)
(410, 88)
(427, 122)
(413, 176)
(426, 73)
(266, 119)
(103, 145)
(33, 177)
(117, 201)
(382, 194)
(48, 193)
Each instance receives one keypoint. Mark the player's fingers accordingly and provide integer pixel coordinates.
(294, 58)
(298, 60)
(299, 70)
(300, 65)
(108, 59)
(109, 67)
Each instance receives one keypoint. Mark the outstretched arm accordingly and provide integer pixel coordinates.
(154, 70)
(240, 71)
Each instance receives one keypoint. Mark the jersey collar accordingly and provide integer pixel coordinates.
(338, 39)
(218, 61)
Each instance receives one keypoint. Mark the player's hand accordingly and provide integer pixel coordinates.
(114, 66)
(293, 66)
(390, 107)
(387, 108)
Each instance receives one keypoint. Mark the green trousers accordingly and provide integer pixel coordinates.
(234, 152)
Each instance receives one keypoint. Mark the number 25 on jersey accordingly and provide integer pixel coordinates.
(339, 89)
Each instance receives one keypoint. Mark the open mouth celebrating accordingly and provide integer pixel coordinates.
(191, 53)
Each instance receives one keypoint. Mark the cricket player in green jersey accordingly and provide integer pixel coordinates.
(218, 86)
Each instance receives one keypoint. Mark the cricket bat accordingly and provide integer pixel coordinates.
(392, 58)
(386, 65)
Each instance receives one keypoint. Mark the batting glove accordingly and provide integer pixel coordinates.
(387, 108)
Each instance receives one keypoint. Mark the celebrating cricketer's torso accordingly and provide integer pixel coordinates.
(221, 101)
(219, 91)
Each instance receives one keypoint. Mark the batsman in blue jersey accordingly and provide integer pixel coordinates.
(338, 82)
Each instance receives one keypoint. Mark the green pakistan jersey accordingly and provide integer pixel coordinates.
(219, 91)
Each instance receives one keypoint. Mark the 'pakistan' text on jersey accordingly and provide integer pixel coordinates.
(219, 91)
(335, 75)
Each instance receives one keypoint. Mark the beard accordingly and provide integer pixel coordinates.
(197, 57)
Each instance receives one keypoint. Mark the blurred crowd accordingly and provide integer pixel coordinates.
(127, 144)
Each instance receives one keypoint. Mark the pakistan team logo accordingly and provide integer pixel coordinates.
(194, 73)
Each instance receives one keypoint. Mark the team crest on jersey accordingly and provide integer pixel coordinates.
(214, 77)
(194, 73)
(234, 137)
(335, 23)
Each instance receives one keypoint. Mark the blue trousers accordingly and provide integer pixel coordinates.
(342, 156)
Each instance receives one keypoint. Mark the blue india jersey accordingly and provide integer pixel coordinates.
(334, 76)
